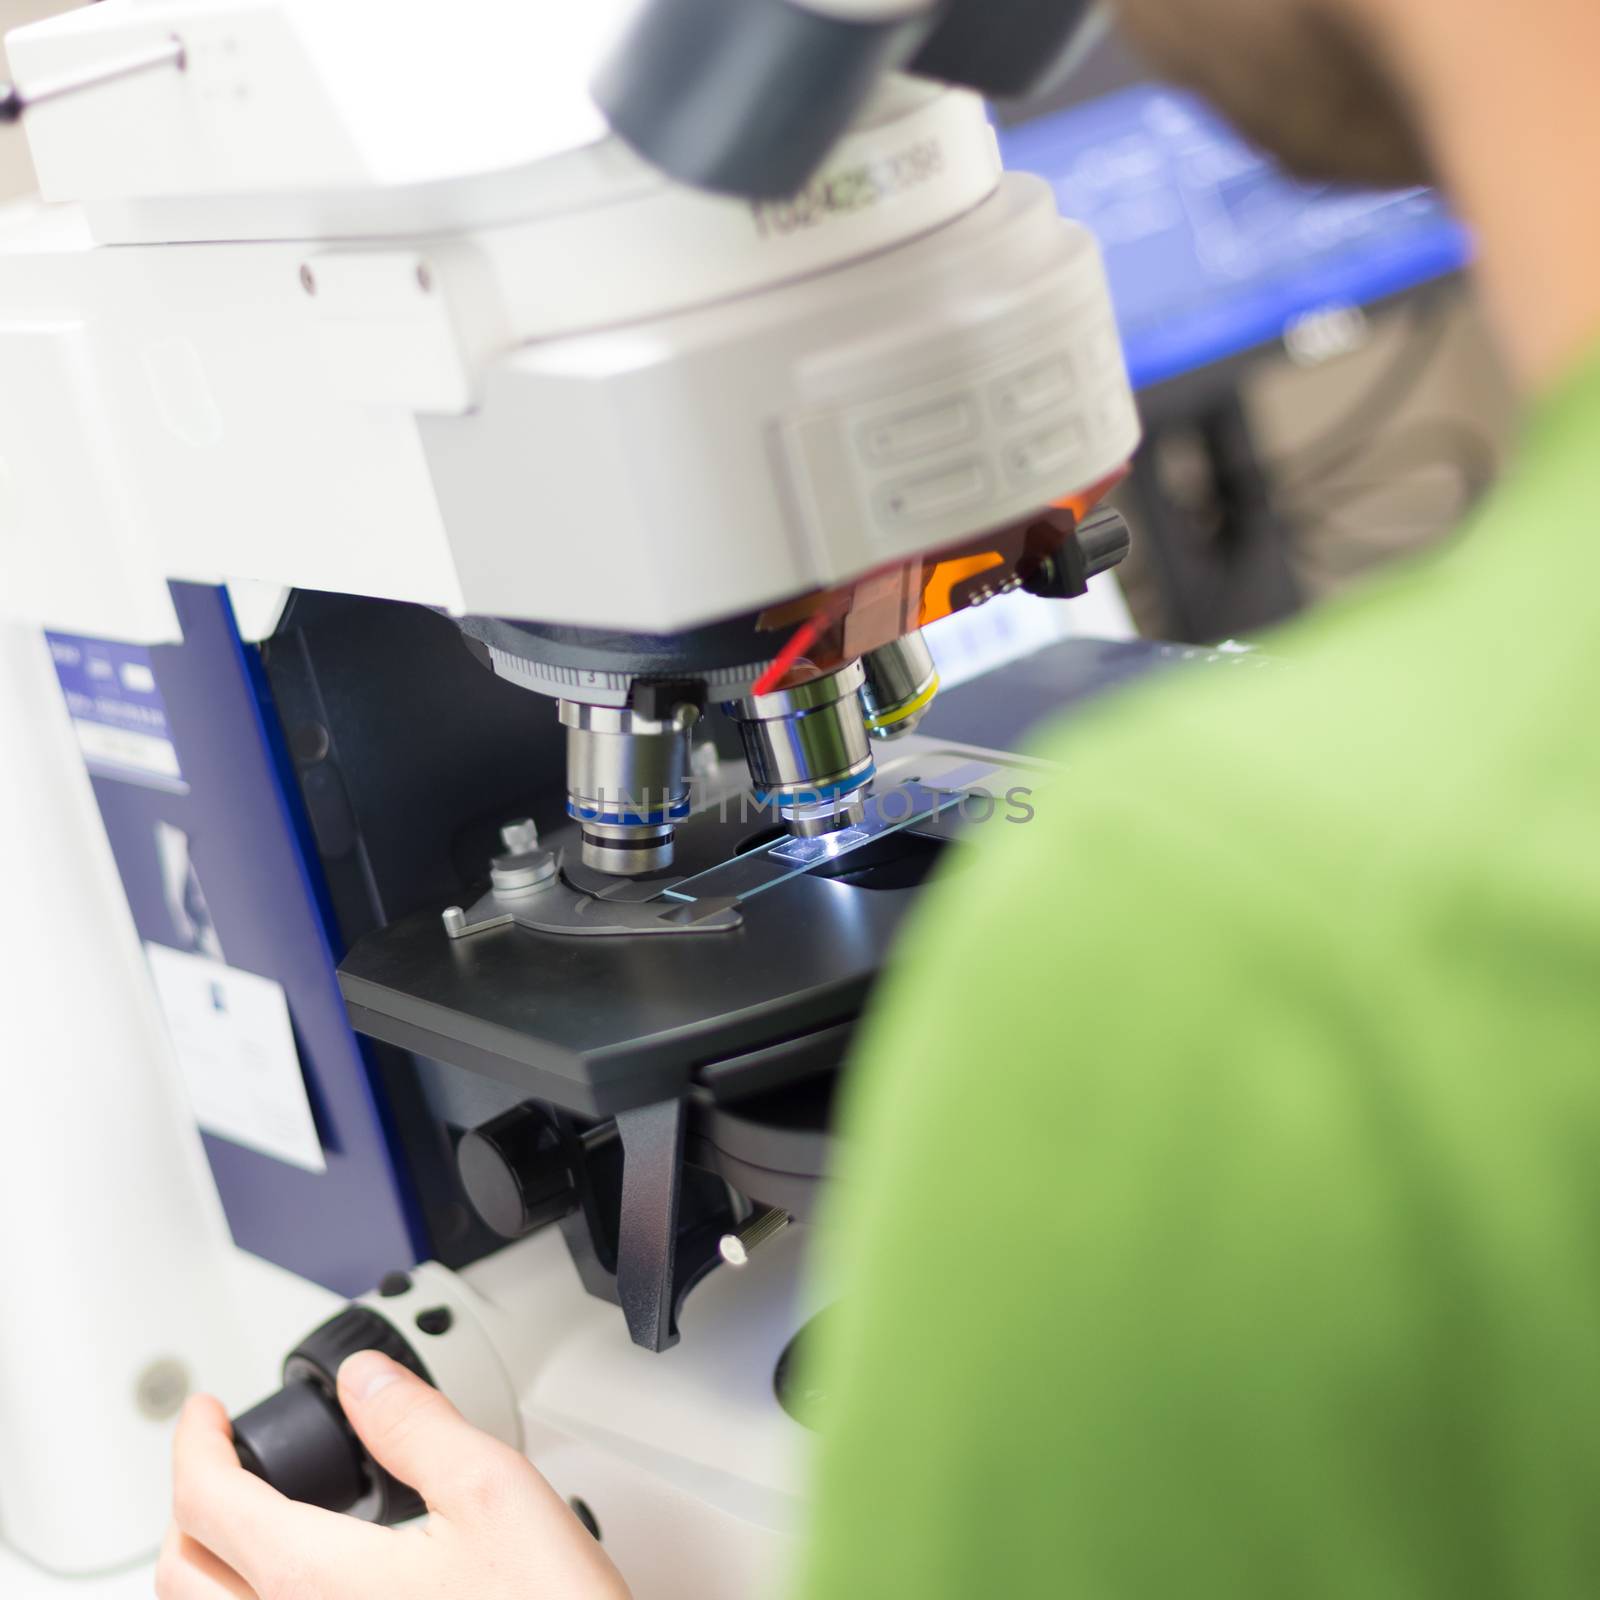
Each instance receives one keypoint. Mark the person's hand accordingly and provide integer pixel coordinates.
(496, 1529)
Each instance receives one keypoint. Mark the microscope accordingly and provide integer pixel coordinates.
(486, 472)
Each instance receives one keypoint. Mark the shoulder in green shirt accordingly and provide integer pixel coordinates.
(1221, 1207)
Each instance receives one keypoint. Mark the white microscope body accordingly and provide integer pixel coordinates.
(373, 304)
(333, 295)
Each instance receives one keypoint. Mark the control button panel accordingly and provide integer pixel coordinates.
(933, 460)
(935, 494)
(1036, 387)
(1101, 354)
(1043, 455)
(905, 435)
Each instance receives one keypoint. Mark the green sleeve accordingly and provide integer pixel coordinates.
(1173, 1260)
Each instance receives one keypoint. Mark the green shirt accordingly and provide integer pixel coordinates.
(1220, 1214)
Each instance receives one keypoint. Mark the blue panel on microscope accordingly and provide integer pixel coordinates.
(189, 767)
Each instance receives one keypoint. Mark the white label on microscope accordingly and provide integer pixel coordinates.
(235, 1048)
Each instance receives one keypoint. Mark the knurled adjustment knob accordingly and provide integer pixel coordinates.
(1084, 551)
(299, 1440)
(517, 1172)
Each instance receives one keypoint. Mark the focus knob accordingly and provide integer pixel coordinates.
(298, 1439)
(517, 1172)
(1085, 551)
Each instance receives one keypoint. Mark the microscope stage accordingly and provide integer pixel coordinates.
(598, 1025)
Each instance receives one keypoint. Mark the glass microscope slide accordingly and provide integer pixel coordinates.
(912, 801)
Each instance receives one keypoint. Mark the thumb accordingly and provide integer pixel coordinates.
(415, 1433)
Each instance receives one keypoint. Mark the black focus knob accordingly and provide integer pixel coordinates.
(1105, 540)
(517, 1172)
(1096, 546)
(298, 1439)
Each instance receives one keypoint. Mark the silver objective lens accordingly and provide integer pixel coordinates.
(627, 784)
(808, 750)
(900, 685)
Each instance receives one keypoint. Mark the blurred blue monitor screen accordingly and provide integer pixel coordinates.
(1212, 251)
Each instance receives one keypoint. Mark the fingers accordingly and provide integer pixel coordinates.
(228, 1511)
(413, 1431)
(188, 1571)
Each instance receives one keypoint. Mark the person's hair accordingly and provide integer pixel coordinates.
(1301, 78)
